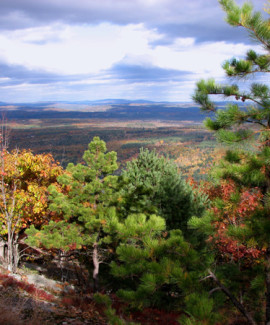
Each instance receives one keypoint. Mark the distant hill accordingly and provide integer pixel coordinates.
(119, 109)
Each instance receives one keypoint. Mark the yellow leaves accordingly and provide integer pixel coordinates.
(31, 188)
(26, 180)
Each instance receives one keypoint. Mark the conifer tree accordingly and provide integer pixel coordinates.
(154, 185)
(85, 197)
(248, 170)
(156, 266)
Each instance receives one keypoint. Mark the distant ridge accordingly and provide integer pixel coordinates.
(108, 101)
(80, 102)
(120, 109)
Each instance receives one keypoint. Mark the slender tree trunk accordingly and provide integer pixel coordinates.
(9, 249)
(96, 266)
(15, 258)
(12, 257)
(15, 254)
(60, 264)
(2, 249)
(234, 300)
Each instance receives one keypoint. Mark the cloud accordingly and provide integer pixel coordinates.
(11, 75)
(133, 73)
(201, 19)
(212, 32)
(122, 80)
(66, 50)
(80, 49)
(89, 49)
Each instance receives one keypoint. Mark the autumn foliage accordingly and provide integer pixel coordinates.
(233, 207)
(32, 174)
(24, 179)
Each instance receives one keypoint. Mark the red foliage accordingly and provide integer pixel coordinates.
(81, 302)
(8, 281)
(67, 301)
(152, 316)
(238, 205)
(149, 316)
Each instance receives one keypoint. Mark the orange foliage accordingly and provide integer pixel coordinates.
(32, 175)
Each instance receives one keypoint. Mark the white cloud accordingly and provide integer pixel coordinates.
(202, 59)
(90, 49)
(74, 49)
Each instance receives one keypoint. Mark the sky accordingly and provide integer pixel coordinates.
(66, 50)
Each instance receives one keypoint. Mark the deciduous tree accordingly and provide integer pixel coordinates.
(24, 180)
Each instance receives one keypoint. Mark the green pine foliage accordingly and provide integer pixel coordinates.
(157, 267)
(199, 310)
(56, 235)
(154, 185)
(256, 112)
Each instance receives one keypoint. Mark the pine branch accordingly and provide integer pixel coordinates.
(256, 34)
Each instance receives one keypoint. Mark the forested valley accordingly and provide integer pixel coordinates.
(151, 240)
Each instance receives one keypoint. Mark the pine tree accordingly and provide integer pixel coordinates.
(156, 267)
(154, 185)
(85, 196)
(249, 168)
(241, 122)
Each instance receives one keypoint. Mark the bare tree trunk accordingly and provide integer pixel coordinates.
(233, 299)
(96, 263)
(15, 255)
(2, 249)
(12, 253)
(9, 249)
(61, 264)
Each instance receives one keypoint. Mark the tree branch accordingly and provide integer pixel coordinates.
(231, 296)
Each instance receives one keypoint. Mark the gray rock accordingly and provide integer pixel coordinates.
(17, 277)
(42, 281)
